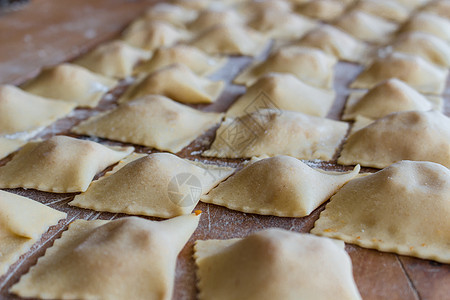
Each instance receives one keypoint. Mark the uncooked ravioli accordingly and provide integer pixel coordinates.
(174, 14)
(386, 9)
(211, 17)
(428, 23)
(280, 186)
(22, 222)
(178, 82)
(284, 92)
(60, 164)
(160, 185)
(8, 146)
(402, 209)
(272, 132)
(411, 135)
(128, 258)
(274, 264)
(324, 10)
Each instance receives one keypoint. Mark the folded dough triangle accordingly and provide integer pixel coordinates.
(414, 70)
(209, 18)
(199, 62)
(427, 46)
(72, 83)
(312, 66)
(428, 23)
(159, 185)
(412, 135)
(60, 164)
(389, 96)
(335, 42)
(231, 40)
(113, 59)
(272, 132)
(402, 209)
(386, 9)
(128, 258)
(366, 27)
(22, 222)
(285, 92)
(21, 111)
(324, 10)
(153, 121)
(178, 82)
(274, 264)
(8, 146)
(280, 186)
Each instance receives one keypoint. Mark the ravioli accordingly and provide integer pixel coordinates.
(8, 146)
(386, 9)
(178, 82)
(284, 92)
(272, 132)
(128, 258)
(113, 59)
(153, 121)
(199, 62)
(414, 70)
(366, 27)
(403, 209)
(60, 164)
(274, 264)
(230, 40)
(71, 83)
(176, 15)
(324, 10)
(428, 23)
(159, 185)
(310, 65)
(22, 222)
(211, 17)
(280, 186)
(410, 135)
(21, 111)
(389, 96)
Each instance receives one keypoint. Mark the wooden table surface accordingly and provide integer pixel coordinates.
(49, 32)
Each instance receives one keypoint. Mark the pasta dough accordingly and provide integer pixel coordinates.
(174, 14)
(177, 82)
(389, 96)
(274, 264)
(196, 60)
(312, 66)
(280, 186)
(412, 135)
(439, 7)
(8, 146)
(325, 10)
(71, 83)
(60, 164)
(271, 132)
(113, 59)
(160, 185)
(21, 111)
(386, 9)
(413, 70)
(211, 17)
(22, 222)
(285, 92)
(231, 40)
(153, 121)
(428, 23)
(128, 258)
(402, 209)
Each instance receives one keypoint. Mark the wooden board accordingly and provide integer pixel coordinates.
(49, 32)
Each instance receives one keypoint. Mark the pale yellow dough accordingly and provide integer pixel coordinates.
(280, 186)
(176, 15)
(8, 146)
(252, 8)
(366, 27)
(271, 132)
(199, 62)
(153, 121)
(60, 164)
(337, 43)
(402, 209)
(159, 185)
(177, 82)
(439, 7)
(386, 9)
(113, 59)
(284, 92)
(412, 135)
(325, 10)
(427, 46)
(128, 258)
(231, 40)
(310, 65)
(414, 70)
(22, 222)
(21, 111)
(210, 17)
(274, 264)
(389, 96)
(428, 23)
(69, 82)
